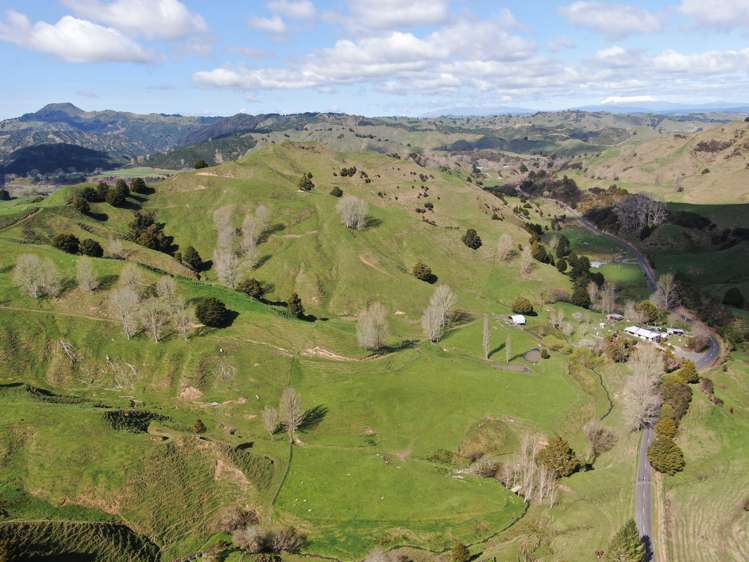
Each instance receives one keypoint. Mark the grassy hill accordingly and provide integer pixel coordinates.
(372, 471)
(705, 167)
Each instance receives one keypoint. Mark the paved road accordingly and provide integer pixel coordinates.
(643, 481)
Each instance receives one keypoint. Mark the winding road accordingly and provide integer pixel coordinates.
(643, 480)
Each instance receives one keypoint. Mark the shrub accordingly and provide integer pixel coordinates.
(666, 427)
(336, 192)
(252, 288)
(562, 265)
(295, 306)
(688, 373)
(200, 164)
(665, 456)
(559, 457)
(144, 230)
(522, 306)
(545, 353)
(199, 427)
(472, 239)
(191, 258)
(678, 395)
(733, 297)
(91, 248)
(580, 297)
(306, 183)
(424, 273)
(460, 553)
(67, 243)
(257, 540)
(213, 313)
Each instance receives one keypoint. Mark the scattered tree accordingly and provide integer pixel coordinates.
(505, 247)
(486, 341)
(200, 164)
(371, 327)
(336, 192)
(144, 230)
(306, 183)
(123, 304)
(607, 298)
(601, 438)
(37, 277)
(199, 427)
(563, 248)
(191, 258)
(295, 306)
(213, 313)
(117, 196)
(79, 203)
(138, 185)
(460, 553)
(86, 276)
(291, 412)
(132, 278)
(155, 315)
(665, 456)
(424, 273)
(580, 297)
(271, 420)
(559, 457)
(92, 248)
(626, 546)
(666, 294)
(522, 306)
(734, 297)
(67, 243)
(526, 260)
(638, 212)
(226, 263)
(472, 239)
(252, 288)
(436, 316)
(115, 249)
(640, 396)
(353, 212)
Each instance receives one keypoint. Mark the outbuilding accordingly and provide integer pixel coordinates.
(643, 334)
(518, 320)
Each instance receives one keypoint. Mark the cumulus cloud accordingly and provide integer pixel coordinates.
(709, 62)
(72, 39)
(619, 57)
(273, 24)
(614, 20)
(393, 14)
(417, 61)
(295, 9)
(720, 14)
(155, 19)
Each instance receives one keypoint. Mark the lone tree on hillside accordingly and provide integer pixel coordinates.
(79, 203)
(600, 437)
(353, 212)
(191, 258)
(86, 276)
(252, 288)
(291, 412)
(200, 164)
(526, 260)
(436, 316)
(626, 546)
(472, 239)
(424, 273)
(372, 328)
(123, 304)
(212, 312)
(460, 553)
(505, 247)
(117, 196)
(522, 306)
(37, 277)
(666, 294)
(138, 185)
(271, 420)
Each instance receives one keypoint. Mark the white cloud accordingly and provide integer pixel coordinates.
(614, 20)
(617, 56)
(619, 100)
(709, 62)
(720, 14)
(155, 19)
(295, 9)
(274, 24)
(393, 14)
(72, 39)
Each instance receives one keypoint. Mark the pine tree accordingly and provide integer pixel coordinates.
(559, 457)
(626, 546)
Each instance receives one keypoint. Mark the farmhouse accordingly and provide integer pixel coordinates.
(643, 334)
(518, 320)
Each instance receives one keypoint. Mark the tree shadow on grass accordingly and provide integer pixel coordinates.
(262, 261)
(107, 282)
(373, 222)
(101, 217)
(268, 232)
(401, 346)
(496, 350)
(313, 417)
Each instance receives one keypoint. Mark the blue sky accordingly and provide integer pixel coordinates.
(371, 57)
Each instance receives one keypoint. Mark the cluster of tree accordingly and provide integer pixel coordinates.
(114, 195)
(533, 479)
(348, 172)
(354, 212)
(37, 277)
(152, 308)
(472, 239)
(336, 192)
(641, 397)
(145, 231)
(192, 259)
(436, 317)
(542, 184)
(306, 183)
(70, 244)
(236, 250)
(256, 539)
(423, 272)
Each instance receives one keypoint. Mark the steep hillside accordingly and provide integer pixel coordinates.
(48, 158)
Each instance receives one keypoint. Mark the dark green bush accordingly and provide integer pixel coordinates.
(472, 239)
(91, 248)
(67, 243)
(213, 313)
(522, 306)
